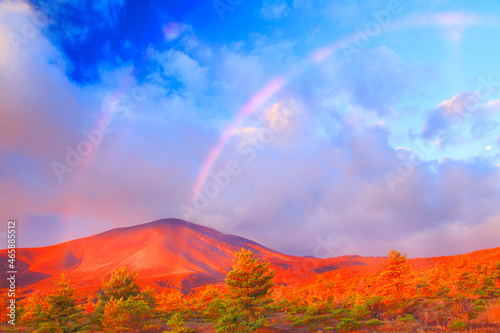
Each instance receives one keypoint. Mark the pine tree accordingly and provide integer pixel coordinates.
(397, 277)
(207, 301)
(177, 324)
(250, 282)
(57, 312)
(130, 315)
(230, 319)
(32, 309)
(122, 304)
(121, 284)
(171, 301)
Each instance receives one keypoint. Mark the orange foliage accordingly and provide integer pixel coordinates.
(170, 301)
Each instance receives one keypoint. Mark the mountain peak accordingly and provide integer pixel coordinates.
(166, 253)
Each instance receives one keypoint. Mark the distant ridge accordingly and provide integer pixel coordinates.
(166, 253)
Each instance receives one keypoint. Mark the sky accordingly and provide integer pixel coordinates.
(312, 127)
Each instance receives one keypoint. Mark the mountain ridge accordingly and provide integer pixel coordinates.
(164, 253)
(173, 253)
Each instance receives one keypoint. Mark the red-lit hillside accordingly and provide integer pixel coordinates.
(164, 253)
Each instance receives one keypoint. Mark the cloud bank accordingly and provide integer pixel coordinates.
(332, 170)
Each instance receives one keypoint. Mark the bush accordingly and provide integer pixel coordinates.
(406, 319)
(170, 302)
(300, 321)
(315, 309)
(373, 322)
(479, 302)
(177, 324)
(131, 314)
(340, 313)
(359, 312)
(458, 325)
(479, 308)
(348, 324)
(374, 303)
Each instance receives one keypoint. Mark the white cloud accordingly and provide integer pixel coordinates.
(460, 104)
(187, 70)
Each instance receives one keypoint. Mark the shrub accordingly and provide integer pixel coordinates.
(315, 309)
(374, 303)
(373, 322)
(406, 319)
(458, 325)
(479, 308)
(131, 314)
(170, 302)
(359, 312)
(348, 324)
(177, 324)
(479, 302)
(340, 313)
(300, 321)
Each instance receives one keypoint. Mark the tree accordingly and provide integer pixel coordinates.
(56, 312)
(249, 282)
(177, 324)
(122, 304)
(171, 301)
(397, 277)
(130, 315)
(121, 284)
(32, 309)
(207, 301)
(230, 318)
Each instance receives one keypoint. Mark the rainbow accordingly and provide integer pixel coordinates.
(316, 57)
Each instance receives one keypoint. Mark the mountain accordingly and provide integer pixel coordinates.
(167, 253)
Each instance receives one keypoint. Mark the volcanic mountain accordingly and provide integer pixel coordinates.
(167, 253)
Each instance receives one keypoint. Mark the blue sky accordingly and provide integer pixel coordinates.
(368, 124)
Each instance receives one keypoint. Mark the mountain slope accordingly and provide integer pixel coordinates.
(164, 253)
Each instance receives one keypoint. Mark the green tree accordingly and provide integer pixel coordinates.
(57, 311)
(130, 315)
(230, 318)
(122, 304)
(121, 284)
(177, 324)
(250, 282)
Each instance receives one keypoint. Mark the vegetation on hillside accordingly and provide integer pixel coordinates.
(457, 294)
